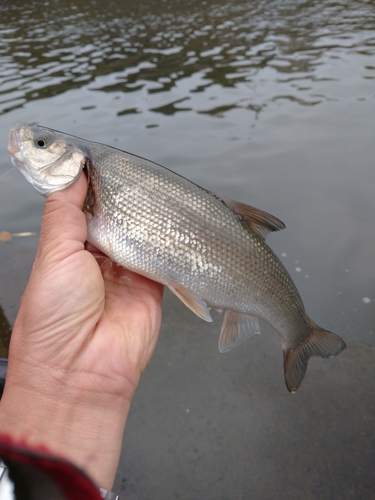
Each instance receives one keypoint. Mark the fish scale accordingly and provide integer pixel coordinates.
(208, 250)
(211, 273)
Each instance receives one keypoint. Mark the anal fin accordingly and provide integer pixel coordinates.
(195, 304)
(237, 327)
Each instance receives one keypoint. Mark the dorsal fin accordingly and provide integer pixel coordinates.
(260, 222)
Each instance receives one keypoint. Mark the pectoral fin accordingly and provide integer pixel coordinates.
(196, 304)
(237, 328)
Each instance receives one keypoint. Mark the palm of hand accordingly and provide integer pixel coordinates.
(90, 326)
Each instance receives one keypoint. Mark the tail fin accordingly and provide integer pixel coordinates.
(319, 343)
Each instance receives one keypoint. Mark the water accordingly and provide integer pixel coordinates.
(269, 102)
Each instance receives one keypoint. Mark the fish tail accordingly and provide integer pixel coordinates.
(320, 342)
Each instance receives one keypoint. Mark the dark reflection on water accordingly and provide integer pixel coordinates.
(49, 47)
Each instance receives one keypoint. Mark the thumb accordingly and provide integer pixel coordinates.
(64, 228)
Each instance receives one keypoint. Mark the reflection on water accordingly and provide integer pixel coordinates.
(268, 102)
(50, 47)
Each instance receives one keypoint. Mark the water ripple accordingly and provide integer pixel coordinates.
(154, 46)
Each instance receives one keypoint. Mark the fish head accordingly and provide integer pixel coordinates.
(50, 161)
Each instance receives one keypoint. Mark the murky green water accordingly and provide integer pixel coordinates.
(268, 102)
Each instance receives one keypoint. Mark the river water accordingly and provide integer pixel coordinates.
(271, 103)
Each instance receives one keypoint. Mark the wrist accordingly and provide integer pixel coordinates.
(86, 429)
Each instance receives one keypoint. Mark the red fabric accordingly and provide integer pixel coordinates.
(73, 483)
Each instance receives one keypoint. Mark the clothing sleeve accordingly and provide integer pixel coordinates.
(38, 474)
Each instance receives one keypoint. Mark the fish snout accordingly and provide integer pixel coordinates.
(14, 142)
(15, 138)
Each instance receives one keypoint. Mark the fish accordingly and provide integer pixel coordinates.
(210, 251)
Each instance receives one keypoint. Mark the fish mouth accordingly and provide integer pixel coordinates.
(14, 138)
(14, 142)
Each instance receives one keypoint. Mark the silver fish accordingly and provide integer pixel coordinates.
(206, 249)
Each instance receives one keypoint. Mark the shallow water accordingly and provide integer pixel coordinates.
(271, 103)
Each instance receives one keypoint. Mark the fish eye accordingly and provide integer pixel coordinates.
(41, 143)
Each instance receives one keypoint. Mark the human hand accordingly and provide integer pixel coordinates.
(83, 336)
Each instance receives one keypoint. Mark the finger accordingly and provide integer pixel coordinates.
(118, 275)
(93, 249)
(75, 194)
(63, 223)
